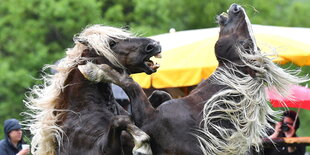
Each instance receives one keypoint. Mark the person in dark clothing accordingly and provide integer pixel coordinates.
(12, 144)
(287, 127)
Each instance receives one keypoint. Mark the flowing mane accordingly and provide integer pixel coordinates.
(249, 114)
(46, 101)
(244, 102)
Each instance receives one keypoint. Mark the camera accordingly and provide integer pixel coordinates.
(284, 127)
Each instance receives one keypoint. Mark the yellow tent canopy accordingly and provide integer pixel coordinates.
(188, 56)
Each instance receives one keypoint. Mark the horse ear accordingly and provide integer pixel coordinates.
(222, 18)
(81, 40)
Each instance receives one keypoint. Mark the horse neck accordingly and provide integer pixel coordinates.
(210, 86)
(141, 108)
(207, 88)
(204, 91)
(80, 92)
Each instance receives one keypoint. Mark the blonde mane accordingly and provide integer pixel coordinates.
(249, 115)
(43, 99)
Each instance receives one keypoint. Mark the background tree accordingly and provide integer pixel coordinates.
(34, 33)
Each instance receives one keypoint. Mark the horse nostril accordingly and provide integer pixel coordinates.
(236, 9)
(150, 47)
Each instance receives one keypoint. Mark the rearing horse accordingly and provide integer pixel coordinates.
(227, 113)
(73, 115)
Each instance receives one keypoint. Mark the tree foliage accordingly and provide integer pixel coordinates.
(34, 33)
(37, 32)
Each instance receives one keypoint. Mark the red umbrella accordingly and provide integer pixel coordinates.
(299, 98)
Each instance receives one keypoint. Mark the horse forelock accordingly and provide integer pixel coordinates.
(243, 104)
(98, 37)
(43, 99)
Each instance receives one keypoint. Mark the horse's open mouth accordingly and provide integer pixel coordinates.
(150, 64)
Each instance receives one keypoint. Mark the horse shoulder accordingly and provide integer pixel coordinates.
(173, 119)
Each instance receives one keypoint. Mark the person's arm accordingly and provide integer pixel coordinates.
(299, 150)
(277, 130)
(290, 133)
(3, 147)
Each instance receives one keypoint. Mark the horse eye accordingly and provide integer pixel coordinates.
(112, 43)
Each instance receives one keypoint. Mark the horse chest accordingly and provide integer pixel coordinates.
(173, 132)
(92, 99)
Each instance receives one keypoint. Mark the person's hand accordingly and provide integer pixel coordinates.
(291, 132)
(277, 130)
(278, 126)
(23, 152)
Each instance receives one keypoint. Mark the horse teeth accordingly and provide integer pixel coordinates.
(155, 66)
(158, 55)
(149, 63)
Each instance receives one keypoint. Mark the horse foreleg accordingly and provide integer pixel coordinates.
(140, 104)
(113, 143)
(141, 140)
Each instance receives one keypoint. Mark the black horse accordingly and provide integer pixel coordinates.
(73, 115)
(225, 114)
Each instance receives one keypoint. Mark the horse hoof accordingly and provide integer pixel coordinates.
(139, 153)
(144, 149)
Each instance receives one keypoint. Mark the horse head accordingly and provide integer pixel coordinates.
(235, 33)
(118, 48)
